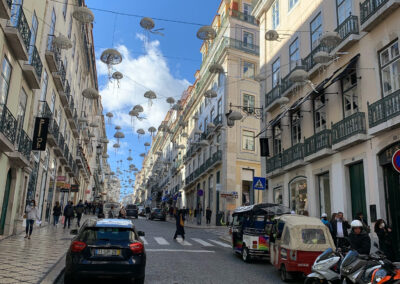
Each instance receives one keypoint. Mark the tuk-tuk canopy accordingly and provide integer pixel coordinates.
(305, 233)
(263, 209)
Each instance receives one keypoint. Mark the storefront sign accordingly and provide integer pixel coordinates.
(75, 188)
(40, 134)
(61, 178)
(396, 160)
(64, 189)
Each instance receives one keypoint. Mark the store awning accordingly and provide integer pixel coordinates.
(342, 71)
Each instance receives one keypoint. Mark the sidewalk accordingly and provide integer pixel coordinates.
(29, 261)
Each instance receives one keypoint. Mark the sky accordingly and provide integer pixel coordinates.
(164, 64)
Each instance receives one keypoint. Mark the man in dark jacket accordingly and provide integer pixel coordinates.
(68, 214)
(359, 239)
(339, 230)
(79, 211)
(180, 220)
(208, 215)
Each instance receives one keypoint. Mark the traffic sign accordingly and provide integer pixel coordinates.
(396, 160)
(259, 183)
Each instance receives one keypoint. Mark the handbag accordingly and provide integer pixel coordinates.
(63, 220)
(181, 221)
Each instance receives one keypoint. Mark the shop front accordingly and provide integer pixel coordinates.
(298, 198)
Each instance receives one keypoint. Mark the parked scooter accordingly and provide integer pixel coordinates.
(388, 273)
(326, 268)
(356, 268)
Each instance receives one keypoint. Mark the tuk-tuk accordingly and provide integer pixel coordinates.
(251, 227)
(296, 241)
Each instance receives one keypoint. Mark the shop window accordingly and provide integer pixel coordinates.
(278, 197)
(298, 195)
(324, 194)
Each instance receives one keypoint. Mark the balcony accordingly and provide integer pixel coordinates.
(53, 133)
(243, 46)
(33, 69)
(349, 131)
(8, 129)
(44, 110)
(5, 6)
(218, 121)
(348, 32)
(318, 146)
(62, 85)
(68, 165)
(52, 55)
(59, 146)
(70, 105)
(274, 163)
(374, 11)
(243, 17)
(64, 157)
(309, 63)
(18, 33)
(272, 96)
(293, 157)
(22, 155)
(74, 123)
(384, 113)
(78, 158)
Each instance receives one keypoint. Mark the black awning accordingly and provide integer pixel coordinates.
(343, 71)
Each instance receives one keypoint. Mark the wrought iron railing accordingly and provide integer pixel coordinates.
(36, 62)
(384, 109)
(66, 152)
(272, 95)
(217, 120)
(8, 124)
(317, 142)
(286, 83)
(18, 21)
(274, 163)
(243, 17)
(348, 27)
(293, 154)
(369, 7)
(61, 141)
(45, 110)
(308, 62)
(24, 145)
(61, 72)
(243, 46)
(54, 129)
(349, 126)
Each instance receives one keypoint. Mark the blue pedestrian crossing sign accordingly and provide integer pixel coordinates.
(259, 183)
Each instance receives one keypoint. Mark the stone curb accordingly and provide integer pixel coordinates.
(55, 272)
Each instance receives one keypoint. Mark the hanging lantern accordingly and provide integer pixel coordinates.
(138, 108)
(150, 95)
(62, 42)
(90, 94)
(140, 132)
(83, 15)
(117, 76)
(109, 117)
(152, 130)
(119, 135)
(142, 155)
(111, 57)
(272, 35)
(116, 146)
(117, 127)
(171, 101)
(206, 33)
(147, 144)
(216, 68)
(210, 94)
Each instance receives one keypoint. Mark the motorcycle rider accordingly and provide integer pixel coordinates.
(359, 239)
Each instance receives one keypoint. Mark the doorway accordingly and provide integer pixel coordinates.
(6, 198)
(357, 189)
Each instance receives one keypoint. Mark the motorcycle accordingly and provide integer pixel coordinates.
(326, 267)
(356, 268)
(388, 273)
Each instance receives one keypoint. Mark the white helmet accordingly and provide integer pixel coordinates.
(356, 223)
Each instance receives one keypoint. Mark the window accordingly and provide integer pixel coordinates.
(218, 141)
(248, 40)
(313, 236)
(77, 65)
(298, 195)
(219, 108)
(276, 67)
(23, 98)
(296, 127)
(294, 54)
(248, 69)
(277, 138)
(390, 68)
(316, 31)
(44, 86)
(343, 10)
(350, 94)
(51, 31)
(212, 115)
(65, 8)
(324, 194)
(246, 9)
(248, 140)
(248, 103)
(292, 3)
(319, 113)
(33, 37)
(205, 123)
(5, 80)
(275, 15)
(53, 101)
(278, 198)
(70, 27)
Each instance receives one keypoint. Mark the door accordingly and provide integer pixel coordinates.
(392, 194)
(5, 203)
(357, 188)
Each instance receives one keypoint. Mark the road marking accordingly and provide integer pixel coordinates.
(203, 243)
(183, 242)
(144, 240)
(180, 250)
(220, 243)
(161, 241)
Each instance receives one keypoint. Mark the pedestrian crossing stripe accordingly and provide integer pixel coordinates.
(220, 243)
(203, 243)
(183, 242)
(144, 240)
(161, 241)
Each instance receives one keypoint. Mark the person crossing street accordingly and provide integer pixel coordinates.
(79, 209)
(180, 222)
(68, 214)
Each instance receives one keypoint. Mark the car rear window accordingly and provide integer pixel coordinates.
(131, 207)
(313, 236)
(91, 235)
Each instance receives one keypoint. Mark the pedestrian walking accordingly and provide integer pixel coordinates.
(324, 219)
(180, 223)
(385, 238)
(111, 212)
(79, 209)
(208, 215)
(122, 212)
(198, 214)
(68, 214)
(56, 213)
(32, 215)
(359, 239)
(339, 229)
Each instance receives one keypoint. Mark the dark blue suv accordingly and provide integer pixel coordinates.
(106, 248)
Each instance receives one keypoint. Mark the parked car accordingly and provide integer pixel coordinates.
(141, 211)
(107, 209)
(106, 248)
(157, 213)
(131, 211)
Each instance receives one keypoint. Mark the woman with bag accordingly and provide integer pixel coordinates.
(56, 213)
(32, 214)
(180, 222)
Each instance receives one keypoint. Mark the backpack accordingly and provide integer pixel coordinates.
(79, 209)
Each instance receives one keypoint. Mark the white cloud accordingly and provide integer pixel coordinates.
(146, 72)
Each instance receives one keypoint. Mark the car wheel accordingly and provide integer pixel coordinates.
(139, 280)
(284, 274)
(245, 254)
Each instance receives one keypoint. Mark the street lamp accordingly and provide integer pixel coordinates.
(234, 115)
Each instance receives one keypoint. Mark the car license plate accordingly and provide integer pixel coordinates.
(108, 252)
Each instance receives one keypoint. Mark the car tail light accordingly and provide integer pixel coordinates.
(136, 247)
(77, 246)
(293, 255)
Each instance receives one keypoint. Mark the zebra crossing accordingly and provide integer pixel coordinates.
(161, 241)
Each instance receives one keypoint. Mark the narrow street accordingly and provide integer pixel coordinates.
(202, 258)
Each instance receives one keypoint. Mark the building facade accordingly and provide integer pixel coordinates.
(195, 158)
(330, 88)
(42, 79)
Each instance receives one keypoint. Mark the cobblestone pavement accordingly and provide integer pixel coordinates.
(28, 261)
